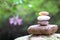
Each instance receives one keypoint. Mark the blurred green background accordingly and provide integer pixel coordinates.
(27, 10)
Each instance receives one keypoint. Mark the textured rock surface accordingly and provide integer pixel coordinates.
(40, 37)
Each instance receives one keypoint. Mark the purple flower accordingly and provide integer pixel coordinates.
(15, 20)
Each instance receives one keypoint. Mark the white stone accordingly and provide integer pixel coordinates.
(40, 37)
(43, 17)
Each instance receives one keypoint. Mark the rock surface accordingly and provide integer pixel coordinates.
(40, 37)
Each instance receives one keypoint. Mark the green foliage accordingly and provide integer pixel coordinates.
(28, 9)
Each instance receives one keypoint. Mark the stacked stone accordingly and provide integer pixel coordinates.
(43, 27)
(43, 18)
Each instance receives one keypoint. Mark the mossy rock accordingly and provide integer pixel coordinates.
(40, 37)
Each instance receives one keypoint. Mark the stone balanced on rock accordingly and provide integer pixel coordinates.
(43, 27)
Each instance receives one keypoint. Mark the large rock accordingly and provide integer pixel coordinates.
(40, 37)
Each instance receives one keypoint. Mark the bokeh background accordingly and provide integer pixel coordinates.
(17, 15)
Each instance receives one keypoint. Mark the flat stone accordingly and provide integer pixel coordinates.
(55, 36)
